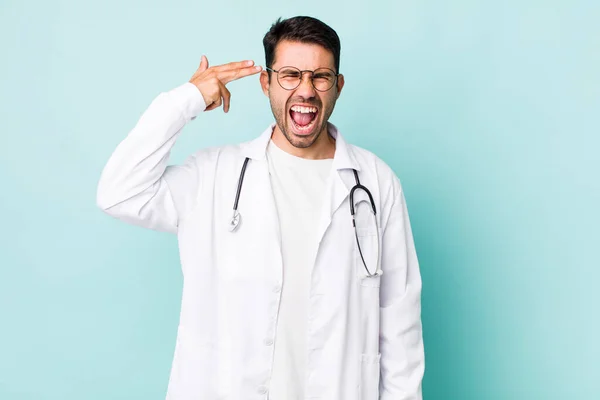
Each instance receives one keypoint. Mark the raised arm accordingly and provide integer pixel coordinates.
(137, 185)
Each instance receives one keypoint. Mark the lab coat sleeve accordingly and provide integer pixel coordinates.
(137, 185)
(400, 340)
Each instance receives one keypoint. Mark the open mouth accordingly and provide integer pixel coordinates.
(303, 119)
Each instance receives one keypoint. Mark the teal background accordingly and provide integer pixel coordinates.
(488, 111)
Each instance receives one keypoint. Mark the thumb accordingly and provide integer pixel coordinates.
(203, 64)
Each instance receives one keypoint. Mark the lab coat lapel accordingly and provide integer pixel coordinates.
(340, 181)
(268, 201)
(336, 193)
(256, 151)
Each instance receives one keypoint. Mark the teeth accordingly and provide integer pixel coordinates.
(304, 110)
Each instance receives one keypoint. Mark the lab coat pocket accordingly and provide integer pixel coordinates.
(369, 376)
(370, 250)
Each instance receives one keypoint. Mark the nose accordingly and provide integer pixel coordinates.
(306, 88)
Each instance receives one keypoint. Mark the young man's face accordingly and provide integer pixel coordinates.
(301, 128)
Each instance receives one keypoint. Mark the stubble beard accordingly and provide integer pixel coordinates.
(305, 142)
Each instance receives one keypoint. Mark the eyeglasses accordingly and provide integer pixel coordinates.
(289, 78)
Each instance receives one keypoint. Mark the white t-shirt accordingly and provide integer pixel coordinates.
(299, 188)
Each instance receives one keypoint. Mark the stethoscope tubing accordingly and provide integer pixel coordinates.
(236, 218)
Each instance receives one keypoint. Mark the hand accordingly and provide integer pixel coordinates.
(211, 81)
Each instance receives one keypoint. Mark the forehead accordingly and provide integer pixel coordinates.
(302, 55)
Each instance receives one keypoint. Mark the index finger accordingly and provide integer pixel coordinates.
(234, 74)
(234, 65)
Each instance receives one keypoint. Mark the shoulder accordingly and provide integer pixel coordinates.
(379, 177)
(372, 164)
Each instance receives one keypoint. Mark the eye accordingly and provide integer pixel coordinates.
(324, 76)
(289, 74)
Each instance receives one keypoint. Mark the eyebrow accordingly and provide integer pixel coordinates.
(284, 66)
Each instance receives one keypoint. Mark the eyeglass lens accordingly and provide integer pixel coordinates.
(290, 77)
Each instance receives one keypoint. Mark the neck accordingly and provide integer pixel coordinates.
(322, 148)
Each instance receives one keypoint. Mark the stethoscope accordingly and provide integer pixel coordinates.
(236, 218)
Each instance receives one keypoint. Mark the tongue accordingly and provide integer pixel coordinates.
(302, 119)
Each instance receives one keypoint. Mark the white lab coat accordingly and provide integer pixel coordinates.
(364, 334)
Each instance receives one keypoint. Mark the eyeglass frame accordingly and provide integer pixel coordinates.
(336, 75)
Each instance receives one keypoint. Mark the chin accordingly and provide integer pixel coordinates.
(302, 140)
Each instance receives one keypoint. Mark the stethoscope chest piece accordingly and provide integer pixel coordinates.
(237, 218)
(235, 221)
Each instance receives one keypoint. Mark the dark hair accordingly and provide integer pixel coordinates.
(305, 30)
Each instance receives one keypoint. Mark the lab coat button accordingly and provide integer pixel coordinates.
(268, 342)
(262, 389)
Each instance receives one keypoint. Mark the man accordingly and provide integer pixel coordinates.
(282, 297)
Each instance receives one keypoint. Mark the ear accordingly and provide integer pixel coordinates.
(340, 85)
(264, 82)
